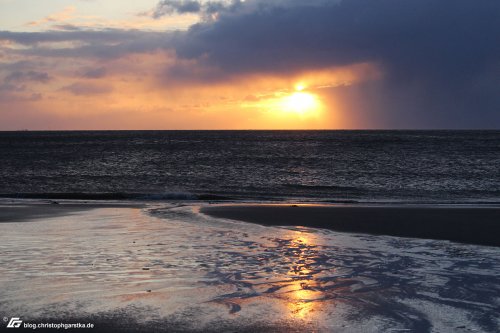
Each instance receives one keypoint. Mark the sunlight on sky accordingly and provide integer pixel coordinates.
(300, 102)
(288, 105)
(212, 64)
(300, 86)
(96, 79)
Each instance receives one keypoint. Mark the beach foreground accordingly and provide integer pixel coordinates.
(168, 267)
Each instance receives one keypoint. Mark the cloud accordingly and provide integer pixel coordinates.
(167, 7)
(209, 10)
(87, 36)
(12, 96)
(18, 81)
(66, 27)
(437, 56)
(106, 43)
(93, 73)
(327, 33)
(87, 89)
(34, 76)
(66, 14)
(206, 9)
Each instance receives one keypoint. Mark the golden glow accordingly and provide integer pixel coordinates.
(301, 307)
(300, 102)
(300, 86)
(132, 95)
(302, 300)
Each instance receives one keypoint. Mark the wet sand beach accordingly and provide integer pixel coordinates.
(167, 267)
(476, 225)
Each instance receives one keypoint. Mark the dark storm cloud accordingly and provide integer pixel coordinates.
(440, 59)
(204, 9)
(423, 33)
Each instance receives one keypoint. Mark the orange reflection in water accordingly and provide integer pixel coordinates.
(302, 298)
(302, 302)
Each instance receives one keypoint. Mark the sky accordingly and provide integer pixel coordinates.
(253, 64)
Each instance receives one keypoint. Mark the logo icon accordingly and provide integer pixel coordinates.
(14, 322)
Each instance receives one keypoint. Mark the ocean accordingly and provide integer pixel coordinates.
(318, 166)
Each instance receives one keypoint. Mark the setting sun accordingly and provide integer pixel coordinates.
(300, 102)
(299, 86)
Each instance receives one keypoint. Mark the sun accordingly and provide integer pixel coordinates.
(300, 86)
(288, 105)
(300, 102)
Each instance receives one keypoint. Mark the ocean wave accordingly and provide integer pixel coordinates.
(239, 197)
(185, 196)
(325, 187)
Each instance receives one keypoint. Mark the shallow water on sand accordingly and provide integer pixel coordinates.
(172, 267)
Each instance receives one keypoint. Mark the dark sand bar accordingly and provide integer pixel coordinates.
(476, 225)
(30, 212)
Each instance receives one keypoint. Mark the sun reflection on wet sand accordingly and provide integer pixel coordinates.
(304, 304)
(302, 299)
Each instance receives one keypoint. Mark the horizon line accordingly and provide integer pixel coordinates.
(252, 130)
